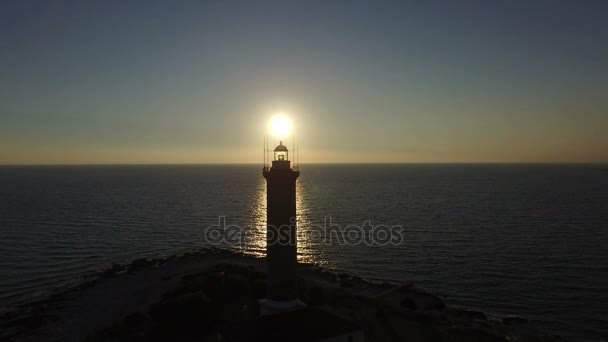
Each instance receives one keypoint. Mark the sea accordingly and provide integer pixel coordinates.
(527, 240)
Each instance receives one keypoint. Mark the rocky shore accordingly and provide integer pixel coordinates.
(188, 297)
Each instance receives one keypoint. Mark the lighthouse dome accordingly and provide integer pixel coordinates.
(281, 148)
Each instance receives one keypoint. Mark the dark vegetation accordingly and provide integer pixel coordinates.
(205, 301)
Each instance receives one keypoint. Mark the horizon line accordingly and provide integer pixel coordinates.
(309, 163)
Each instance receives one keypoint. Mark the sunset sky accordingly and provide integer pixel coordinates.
(197, 82)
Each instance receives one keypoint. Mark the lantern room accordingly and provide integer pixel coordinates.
(281, 153)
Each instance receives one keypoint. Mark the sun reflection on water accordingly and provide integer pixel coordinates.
(305, 246)
(255, 235)
(309, 251)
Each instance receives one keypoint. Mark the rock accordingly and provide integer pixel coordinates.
(471, 314)
(408, 304)
(423, 300)
(112, 271)
(327, 275)
(259, 288)
(386, 285)
(9, 315)
(156, 262)
(510, 320)
(405, 288)
(358, 281)
(316, 295)
(135, 322)
(550, 338)
(139, 264)
(346, 284)
(33, 321)
(427, 301)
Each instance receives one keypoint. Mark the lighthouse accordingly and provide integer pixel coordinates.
(283, 317)
(281, 238)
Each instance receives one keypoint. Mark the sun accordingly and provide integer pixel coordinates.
(280, 126)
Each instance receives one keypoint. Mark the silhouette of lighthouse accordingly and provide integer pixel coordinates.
(281, 242)
(284, 317)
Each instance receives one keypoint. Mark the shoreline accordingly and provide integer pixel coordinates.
(116, 293)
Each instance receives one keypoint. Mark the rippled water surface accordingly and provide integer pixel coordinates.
(526, 240)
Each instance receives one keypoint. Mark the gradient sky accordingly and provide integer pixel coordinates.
(196, 82)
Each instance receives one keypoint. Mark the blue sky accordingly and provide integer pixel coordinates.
(196, 82)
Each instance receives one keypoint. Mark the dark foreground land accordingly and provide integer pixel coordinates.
(189, 297)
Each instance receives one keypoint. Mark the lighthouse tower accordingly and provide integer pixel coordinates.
(281, 244)
(283, 317)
